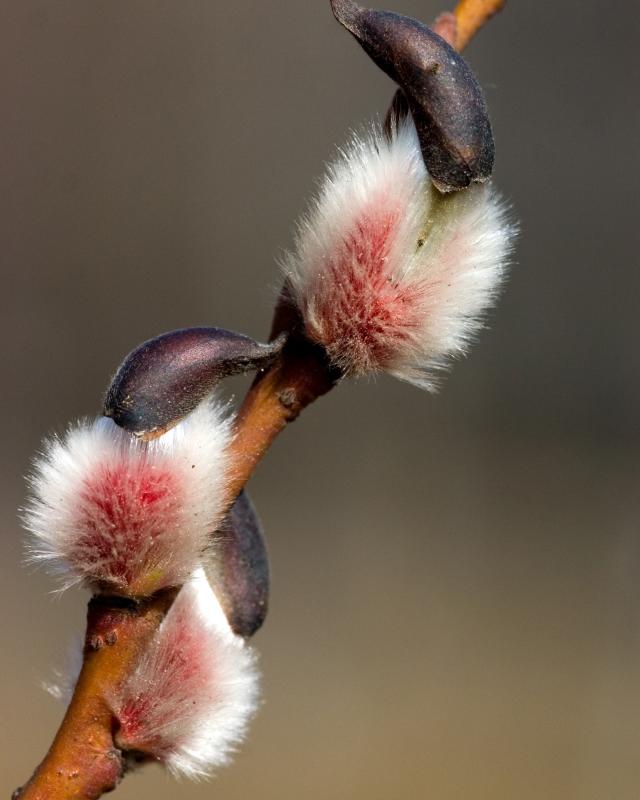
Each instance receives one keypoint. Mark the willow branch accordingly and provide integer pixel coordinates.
(83, 762)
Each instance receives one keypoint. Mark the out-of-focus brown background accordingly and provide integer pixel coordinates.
(456, 603)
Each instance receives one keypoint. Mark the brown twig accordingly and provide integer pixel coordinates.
(471, 15)
(83, 762)
(278, 395)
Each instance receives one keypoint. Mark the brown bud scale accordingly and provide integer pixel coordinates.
(164, 379)
(441, 91)
(240, 571)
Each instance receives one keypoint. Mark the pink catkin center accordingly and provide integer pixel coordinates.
(126, 509)
(156, 719)
(366, 314)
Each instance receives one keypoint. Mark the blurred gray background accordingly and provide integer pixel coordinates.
(456, 605)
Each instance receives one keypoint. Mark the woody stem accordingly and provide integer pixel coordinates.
(83, 762)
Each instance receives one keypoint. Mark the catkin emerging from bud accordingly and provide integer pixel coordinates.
(189, 701)
(388, 274)
(129, 516)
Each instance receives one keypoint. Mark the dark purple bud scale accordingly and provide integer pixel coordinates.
(240, 571)
(441, 91)
(164, 379)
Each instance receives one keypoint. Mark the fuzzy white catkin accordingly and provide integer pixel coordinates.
(388, 273)
(190, 699)
(109, 509)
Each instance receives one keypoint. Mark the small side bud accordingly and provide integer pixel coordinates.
(189, 701)
(164, 379)
(125, 515)
(442, 93)
(240, 569)
(446, 26)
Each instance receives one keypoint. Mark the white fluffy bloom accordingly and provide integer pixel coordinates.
(389, 274)
(62, 682)
(134, 516)
(189, 700)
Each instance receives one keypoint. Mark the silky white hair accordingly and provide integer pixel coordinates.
(62, 681)
(389, 274)
(190, 698)
(109, 509)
